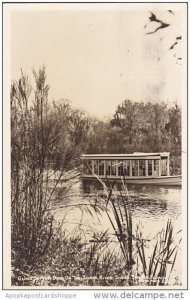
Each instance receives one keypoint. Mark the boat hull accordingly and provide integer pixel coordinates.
(160, 181)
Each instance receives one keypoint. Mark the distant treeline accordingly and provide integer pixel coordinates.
(139, 127)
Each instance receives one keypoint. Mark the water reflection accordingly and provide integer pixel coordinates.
(148, 201)
(151, 205)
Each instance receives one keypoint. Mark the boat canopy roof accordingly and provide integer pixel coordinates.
(135, 155)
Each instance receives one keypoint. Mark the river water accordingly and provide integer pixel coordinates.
(152, 206)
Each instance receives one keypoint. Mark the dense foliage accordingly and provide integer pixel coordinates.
(44, 138)
(139, 127)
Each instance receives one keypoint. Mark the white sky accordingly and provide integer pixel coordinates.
(98, 56)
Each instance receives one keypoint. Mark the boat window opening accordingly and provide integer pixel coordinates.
(149, 167)
(120, 168)
(156, 167)
(134, 167)
(127, 168)
(142, 169)
(113, 169)
(96, 167)
(108, 167)
(101, 167)
(163, 167)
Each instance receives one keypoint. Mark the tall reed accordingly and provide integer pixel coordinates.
(122, 223)
(157, 269)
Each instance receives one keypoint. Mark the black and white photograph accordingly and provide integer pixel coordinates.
(95, 146)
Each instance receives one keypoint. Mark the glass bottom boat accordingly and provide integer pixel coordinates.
(136, 168)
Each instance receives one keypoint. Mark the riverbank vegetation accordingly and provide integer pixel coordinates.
(47, 137)
(121, 257)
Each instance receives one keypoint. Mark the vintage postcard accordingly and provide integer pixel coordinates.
(95, 146)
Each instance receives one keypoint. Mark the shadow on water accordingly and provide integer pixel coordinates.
(146, 200)
(151, 205)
